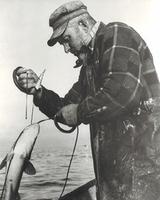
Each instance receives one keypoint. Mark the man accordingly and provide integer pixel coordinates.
(117, 94)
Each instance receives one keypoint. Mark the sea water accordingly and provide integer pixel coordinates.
(51, 160)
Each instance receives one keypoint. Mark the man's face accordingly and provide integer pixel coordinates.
(72, 39)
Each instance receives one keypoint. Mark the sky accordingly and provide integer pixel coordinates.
(24, 32)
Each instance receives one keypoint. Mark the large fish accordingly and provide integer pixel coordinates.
(17, 161)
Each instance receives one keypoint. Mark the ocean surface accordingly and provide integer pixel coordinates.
(51, 160)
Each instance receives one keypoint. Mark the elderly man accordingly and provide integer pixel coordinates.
(117, 94)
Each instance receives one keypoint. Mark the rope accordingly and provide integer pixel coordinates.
(69, 166)
(43, 120)
(70, 162)
(26, 107)
(32, 113)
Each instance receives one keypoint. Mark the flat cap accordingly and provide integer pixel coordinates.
(60, 17)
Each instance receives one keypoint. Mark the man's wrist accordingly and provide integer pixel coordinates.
(38, 92)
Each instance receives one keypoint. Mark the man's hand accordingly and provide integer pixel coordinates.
(68, 115)
(27, 80)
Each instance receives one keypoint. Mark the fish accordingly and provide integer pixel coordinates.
(18, 161)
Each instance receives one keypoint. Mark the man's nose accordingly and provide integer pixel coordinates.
(66, 47)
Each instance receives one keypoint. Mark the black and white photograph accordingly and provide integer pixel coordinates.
(79, 100)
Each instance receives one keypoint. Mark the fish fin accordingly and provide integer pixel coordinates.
(29, 168)
(6, 159)
(4, 162)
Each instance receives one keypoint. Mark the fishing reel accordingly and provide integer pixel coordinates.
(27, 91)
(16, 81)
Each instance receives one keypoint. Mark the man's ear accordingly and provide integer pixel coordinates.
(83, 25)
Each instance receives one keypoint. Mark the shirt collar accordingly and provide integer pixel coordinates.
(90, 45)
(92, 34)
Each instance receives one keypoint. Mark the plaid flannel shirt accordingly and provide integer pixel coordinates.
(120, 75)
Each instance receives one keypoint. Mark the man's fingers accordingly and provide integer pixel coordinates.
(27, 80)
(69, 114)
(21, 70)
(27, 75)
(27, 84)
(23, 73)
(59, 117)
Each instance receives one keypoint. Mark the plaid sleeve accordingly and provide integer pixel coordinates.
(121, 85)
(50, 102)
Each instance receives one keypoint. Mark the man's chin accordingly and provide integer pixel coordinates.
(76, 54)
(79, 55)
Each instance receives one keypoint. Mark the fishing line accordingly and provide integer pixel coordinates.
(5, 181)
(26, 107)
(70, 162)
(69, 166)
(43, 120)
(38, 85)
(7, 168)
(32, 113)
